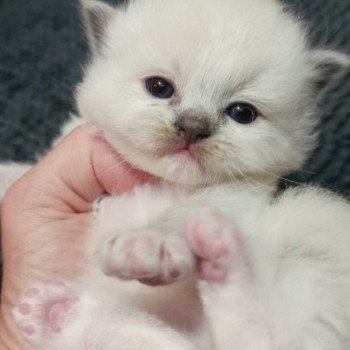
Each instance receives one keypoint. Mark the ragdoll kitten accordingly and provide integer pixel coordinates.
(216, 98)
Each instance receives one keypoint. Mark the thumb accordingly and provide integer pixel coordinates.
(78, 170)
(113, 172)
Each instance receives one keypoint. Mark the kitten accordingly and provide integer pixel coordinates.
(216, 98)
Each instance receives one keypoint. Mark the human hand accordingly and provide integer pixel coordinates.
(45, 217)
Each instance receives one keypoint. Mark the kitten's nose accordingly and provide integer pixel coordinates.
(192, 128)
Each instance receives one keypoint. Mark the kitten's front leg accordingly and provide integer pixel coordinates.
(174, 248)
(227, 284)
(204, 244)
(148, 255)
(217, 246)
(158, 252)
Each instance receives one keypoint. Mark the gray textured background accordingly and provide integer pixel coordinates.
(42, 50)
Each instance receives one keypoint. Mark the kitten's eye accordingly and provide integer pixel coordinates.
(242, 113)
(159, 87)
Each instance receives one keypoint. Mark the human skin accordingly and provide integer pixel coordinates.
(45, 217)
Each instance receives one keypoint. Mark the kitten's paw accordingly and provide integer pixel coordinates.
(43, 310)
(214, 242)
(146, 255)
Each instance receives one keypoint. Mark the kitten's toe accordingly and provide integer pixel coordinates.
(215, 243)
(148, 257)
(44, 310)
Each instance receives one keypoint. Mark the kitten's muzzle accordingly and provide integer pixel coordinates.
(192, 128)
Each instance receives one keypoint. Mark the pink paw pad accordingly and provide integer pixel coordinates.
(214, 242)
(31, 293)
(44, 309)
(28, 330)
(24, 308)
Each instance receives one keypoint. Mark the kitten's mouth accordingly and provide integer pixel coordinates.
(185, 151)
(185, 155)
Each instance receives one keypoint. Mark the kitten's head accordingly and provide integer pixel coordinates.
(203, 91)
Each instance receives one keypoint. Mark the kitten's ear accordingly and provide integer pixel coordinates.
(96, 15)
(329, 65)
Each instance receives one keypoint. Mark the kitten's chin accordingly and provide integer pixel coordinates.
(180, 168)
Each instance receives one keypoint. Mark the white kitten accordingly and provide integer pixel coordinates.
(215, 97)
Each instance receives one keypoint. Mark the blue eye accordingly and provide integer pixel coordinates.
(242, 113)
(159, 87)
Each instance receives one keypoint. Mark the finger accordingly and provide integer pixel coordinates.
(113, 172)
(76, 172)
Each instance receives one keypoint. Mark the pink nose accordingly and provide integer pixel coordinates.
(192, 128)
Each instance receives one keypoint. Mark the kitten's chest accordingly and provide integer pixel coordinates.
(133, 210)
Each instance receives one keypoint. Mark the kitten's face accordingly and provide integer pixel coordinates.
(234, 99)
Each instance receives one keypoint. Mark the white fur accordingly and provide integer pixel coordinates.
(244, 44)
(215, 52)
